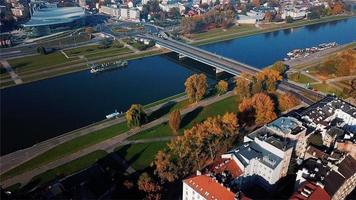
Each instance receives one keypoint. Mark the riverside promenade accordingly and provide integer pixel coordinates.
(16, 158)
(107, 145)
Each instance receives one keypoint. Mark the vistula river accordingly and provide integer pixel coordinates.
(34, 112)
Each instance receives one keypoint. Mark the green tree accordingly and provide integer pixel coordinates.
(289, 19)
(174, 120)
(105, 43)
(136, 116)
(41, 50)
(221, 87)
(315, 140)
(195, 87)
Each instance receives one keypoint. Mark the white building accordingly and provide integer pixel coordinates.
(264, 157)
(294, 13)
(243, 19)
(112, 11)
(131, 14)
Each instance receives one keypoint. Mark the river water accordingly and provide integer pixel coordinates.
(34, 112)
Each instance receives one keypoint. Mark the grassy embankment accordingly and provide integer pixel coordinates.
(141, 155)
(322, 73)
(67, 148)
(82, 142)
(79, 143)
(214, 35)
(218, 35)
(33, 68)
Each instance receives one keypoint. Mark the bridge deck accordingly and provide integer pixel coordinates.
(228, 65)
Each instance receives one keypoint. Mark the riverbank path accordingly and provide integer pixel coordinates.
(16, 158)
(12, 73)
(107, 145)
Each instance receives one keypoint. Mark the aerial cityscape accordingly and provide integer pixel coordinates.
(178, 99)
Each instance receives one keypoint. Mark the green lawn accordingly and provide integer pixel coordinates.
(108, 53)
(70, 167)
(164, 100)
(64, 40)
(67, 148)
(220, 31)
(196, 116)
(95, 52)
(326, 88)
(301, 78)
(140, 156)
(235, 33)
(38, 61)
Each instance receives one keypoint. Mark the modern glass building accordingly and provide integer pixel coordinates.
(53, 19)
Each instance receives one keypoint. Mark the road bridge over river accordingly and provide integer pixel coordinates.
(228, 65)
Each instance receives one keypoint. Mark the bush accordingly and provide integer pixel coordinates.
(41, 50)
(289, 19)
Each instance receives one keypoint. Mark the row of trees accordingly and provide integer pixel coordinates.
(264, 81)
(196, 148)
(195, 87)
(213, 18)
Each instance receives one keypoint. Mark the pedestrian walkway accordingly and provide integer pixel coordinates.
(16, 158)
(107, 145)
(12, 73)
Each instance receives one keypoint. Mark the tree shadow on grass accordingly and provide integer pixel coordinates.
(136, 156)
(163, 110)
(190, 117)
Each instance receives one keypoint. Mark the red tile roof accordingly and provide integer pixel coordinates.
(310, 191)
(222, 165)
(209, 188)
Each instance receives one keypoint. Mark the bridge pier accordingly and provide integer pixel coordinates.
(181, 56)
(218, 71)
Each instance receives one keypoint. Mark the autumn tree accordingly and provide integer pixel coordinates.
(243, 87)
(337, 8)
(136, 116)
(261, 105)
(264, 107)
(258, 86)
(165, 167)
(128, 184)
(221, 87)
(197, 147)
(149, 186)
(246, 112)
(195, 87)
(280, 67)
(174, 120)
(270, 78)
(287, 101)
(268, 16)
(256, 3)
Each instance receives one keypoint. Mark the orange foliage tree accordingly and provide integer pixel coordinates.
(262, 107)
(337, 8)
(149, 186)
(269, 77)
(287, 101)
(196, 148)
(195, 87)
(243, 88)
(174, 120)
